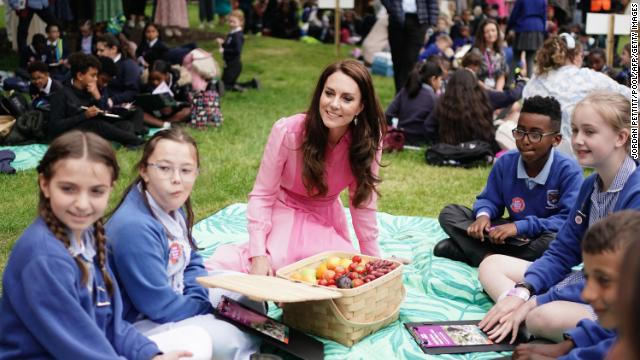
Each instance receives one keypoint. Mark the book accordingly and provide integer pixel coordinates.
(454, 337)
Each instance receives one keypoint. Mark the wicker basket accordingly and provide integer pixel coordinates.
(358, 313)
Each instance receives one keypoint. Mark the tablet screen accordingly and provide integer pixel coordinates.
(239, 313)
(451, 335)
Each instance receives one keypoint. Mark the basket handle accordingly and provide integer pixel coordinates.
(343, 319)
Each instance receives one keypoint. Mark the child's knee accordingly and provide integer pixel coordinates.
(541, 319)
(490, 267)
(449, 213)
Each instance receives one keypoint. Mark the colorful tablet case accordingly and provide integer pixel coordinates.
(453, 337)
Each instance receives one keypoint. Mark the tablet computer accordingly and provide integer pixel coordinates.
(271, 331)
(454, 337)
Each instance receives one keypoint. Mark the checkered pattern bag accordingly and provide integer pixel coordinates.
(205, 109)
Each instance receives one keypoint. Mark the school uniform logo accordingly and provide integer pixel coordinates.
(175, 252)
(517, 204)
(553, 198)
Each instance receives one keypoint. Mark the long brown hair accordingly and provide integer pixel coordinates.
(481, 43)
(174, 134)
(367, 134)
(76, 145)
(475, 122)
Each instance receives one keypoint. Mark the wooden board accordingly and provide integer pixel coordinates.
(268, 288)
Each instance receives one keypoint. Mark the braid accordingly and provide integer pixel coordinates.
(59, 232)
(101, 244)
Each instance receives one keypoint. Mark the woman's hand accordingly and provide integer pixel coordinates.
(173, 355)
(260, 266)
(512, 323)
(500, 312)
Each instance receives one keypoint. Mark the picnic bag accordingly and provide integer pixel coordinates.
(14, 105)
(466, 154)
(393, 140)
(205, 109)
(28, 129)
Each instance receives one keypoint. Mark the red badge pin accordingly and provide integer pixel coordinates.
(175, 251)
(517, 204)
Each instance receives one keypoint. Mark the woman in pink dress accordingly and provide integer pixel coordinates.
(294, 209)
(172, 15)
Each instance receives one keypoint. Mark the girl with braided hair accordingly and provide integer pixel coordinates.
(59, 297)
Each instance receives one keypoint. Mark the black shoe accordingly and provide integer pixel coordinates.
(447, 248)
(255, 83)
(237, 88)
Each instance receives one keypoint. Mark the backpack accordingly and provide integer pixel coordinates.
(28, 129)
(466, 154)
(14, 105)
(205, 109)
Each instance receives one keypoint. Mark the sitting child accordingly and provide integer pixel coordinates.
(464, 37)
(231, 49)
(624, 76)
(603, 249)
(57, 53)
(163, 80)
(42, 85)
(536, 184)
(597, 60)
(152, 48)
(415, 101)
(442, 47)
(87, 41)
(37, 51)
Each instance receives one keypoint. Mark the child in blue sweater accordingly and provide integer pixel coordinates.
(600, 139)
(59, 298)
(603, 249)
(154, 256)
(536, 184)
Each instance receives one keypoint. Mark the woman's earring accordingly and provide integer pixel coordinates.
(355, 120)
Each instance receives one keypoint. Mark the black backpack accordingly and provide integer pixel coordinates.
(14, 105)
(28, 129)
(466, 154)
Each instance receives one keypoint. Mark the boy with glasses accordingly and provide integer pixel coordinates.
(536, 184)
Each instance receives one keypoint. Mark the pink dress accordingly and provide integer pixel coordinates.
(286, 224)
(172, 13)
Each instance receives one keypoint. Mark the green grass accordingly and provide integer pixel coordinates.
(231, 154)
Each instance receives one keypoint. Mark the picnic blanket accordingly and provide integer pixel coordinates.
(27, 156)
(437, 288)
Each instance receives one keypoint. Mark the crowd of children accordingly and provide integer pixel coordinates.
(118, 88)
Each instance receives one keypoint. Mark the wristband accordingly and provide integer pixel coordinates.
(519, 293)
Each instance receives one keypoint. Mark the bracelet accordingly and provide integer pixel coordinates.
(519, 292)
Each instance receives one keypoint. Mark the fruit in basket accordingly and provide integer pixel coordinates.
(344, 282)
(333, 262)
(308, 275)
(329, 275)
(357, 282)
(353, 275)
(345, 263)
(340, 270)
(356, 259)
(320, 270)
(323, 282)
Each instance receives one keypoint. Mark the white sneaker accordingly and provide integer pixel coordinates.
(202, 25)
(212, 25)
(168, 32)
(177, 32)
(131, 23)
(141, 24)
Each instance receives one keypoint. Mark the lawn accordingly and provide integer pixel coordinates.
(231, 154)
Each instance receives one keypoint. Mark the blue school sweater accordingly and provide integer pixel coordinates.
(46, 312)
(543, 208)
(139, 254)
(592, 341)
(565, 251)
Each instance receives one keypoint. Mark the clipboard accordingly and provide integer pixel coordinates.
(454, 337)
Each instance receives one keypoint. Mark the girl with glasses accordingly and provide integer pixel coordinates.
(154, 255)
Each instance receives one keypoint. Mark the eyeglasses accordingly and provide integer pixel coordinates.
(534, 137)
(187, 174)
